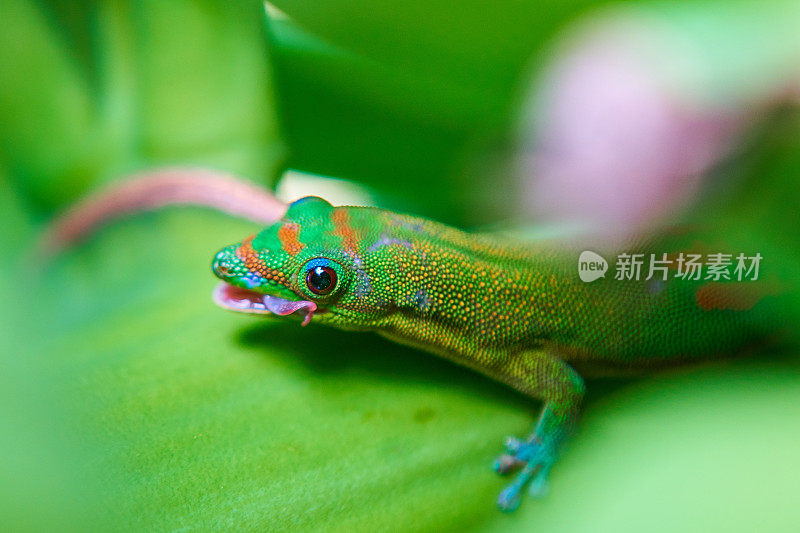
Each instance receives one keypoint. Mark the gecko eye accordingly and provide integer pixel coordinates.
(321, 279)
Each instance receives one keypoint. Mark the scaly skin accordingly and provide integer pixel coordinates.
(516, 313)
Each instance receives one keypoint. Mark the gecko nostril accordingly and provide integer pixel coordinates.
(221, 267)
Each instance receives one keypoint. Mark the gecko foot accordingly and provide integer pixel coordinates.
(533, 460)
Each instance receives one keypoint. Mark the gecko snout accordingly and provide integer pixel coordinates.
(227, 264)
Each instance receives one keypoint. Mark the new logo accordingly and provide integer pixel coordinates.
(591, 266)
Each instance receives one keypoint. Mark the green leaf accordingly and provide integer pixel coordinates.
(194, 417)
(419, 93)
(121, 86)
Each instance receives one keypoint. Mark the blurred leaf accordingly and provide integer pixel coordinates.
(465, 61)
(102, 88)
(418, 94)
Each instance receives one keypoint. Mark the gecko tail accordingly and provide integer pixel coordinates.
(155, 189)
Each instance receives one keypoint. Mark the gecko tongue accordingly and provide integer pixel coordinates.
(281, 306)
(246, 301)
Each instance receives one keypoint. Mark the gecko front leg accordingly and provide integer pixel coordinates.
(546, 377)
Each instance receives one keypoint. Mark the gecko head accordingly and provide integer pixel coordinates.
(300, 266)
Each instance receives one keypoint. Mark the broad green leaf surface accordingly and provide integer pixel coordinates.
(196, 418)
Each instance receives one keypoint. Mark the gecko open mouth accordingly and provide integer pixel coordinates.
(251, 302)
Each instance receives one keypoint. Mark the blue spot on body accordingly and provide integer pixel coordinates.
(656, 286)
(423, 301)
(417, 228)
(252, 280)
(363, 285)
(385, 240)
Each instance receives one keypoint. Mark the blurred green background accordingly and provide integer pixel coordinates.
(130, 402)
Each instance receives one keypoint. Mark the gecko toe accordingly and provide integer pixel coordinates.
(539, 486)
(507, 463)
(532, 461)
(510, 498)
(513, 444)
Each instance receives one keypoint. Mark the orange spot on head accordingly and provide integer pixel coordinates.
(289, 237)
(254, 263)
(341, 221)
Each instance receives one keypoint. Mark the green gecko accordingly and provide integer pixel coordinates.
(516, 312)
